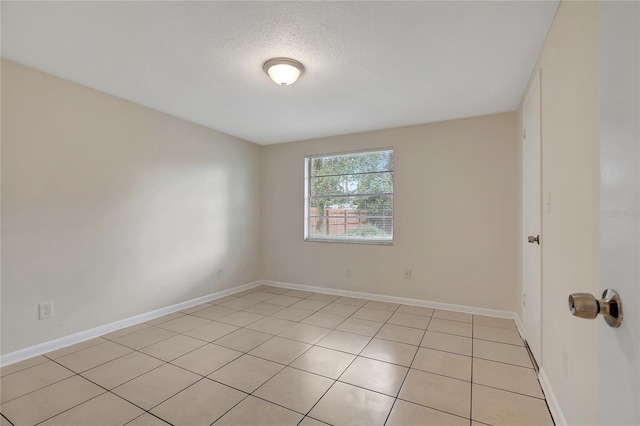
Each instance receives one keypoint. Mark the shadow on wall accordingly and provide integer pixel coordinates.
(110, 209)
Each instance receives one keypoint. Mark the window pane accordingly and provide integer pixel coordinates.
(361, 162)
(352, 218)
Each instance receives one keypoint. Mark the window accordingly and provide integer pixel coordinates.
(349, 197)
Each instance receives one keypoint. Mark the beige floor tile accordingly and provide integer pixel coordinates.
(294, 389)
(200, 404)
(92, 357)
(408, 320)
(444, 363)
(31, 379)
(243, 340)
(495, 334)
(196, 308)
(339, 309)
(211, 331)
(271, 325)
(4, 421)
(104, 410)
(495, 322)
(206, 359)
(450, 327)
(388, 351)
(351, 301)
(280, 350)
(506, 377)
(116, 372)
(166, 318)
(264, 308)
(501, 352)
(241, 318)
(442, 393)
(157, 385)
(447, 342)
(74, 348)
(372, 314)
(173, 347)
(260, 296)
(254, 411)
(343, 341)
(214, 313)
(409, 414)
(415, 310)
(22, 365)
(285, 300)
(453, 315)
(125, 331)
(293, 314)
(324, 320)
(147, 420)
(349, 405)
(274, 290)
(306, 333)
(223, 300)
(302, 294)
(239, 303)
(310, 305)
(49, 401)
(323, 361)
(244, 292)
(398, 333)
(375, 375)
(385, 306)
(184, 323)
(323, 297)
(308, 421)
(360, 326)
(246, 373)
(501, 408)
(144, 338)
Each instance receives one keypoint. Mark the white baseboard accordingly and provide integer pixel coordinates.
(552, 400)
(394, 299)
(52, 345)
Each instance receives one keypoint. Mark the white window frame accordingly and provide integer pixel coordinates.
(307, 201)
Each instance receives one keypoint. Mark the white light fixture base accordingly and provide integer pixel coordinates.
(283, 71)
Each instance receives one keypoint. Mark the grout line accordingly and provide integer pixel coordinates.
(408, 371)
(6, 419)
(471, 378)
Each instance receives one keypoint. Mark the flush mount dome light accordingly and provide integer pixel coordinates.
(283, 71)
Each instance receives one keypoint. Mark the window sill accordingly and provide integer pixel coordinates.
(346, 241)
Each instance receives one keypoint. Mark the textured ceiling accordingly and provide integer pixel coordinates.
(369, 65)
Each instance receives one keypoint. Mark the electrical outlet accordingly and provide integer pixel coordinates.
(219, 272)
(348, 273)
(45, 310)
(406, 273)
(565, 363)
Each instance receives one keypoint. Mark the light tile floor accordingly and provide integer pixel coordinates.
(272, 356)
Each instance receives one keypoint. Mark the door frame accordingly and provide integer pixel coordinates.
(535, 85)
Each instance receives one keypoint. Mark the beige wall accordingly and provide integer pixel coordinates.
(110, 209)
(569, 64)
(456, 215)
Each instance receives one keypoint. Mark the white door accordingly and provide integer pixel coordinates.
(619, 354)
(532, 288)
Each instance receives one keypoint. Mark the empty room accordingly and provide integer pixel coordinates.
(320, 213)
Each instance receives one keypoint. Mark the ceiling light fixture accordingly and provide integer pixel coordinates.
(283, 71)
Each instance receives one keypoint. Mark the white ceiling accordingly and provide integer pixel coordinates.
(369, 65)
